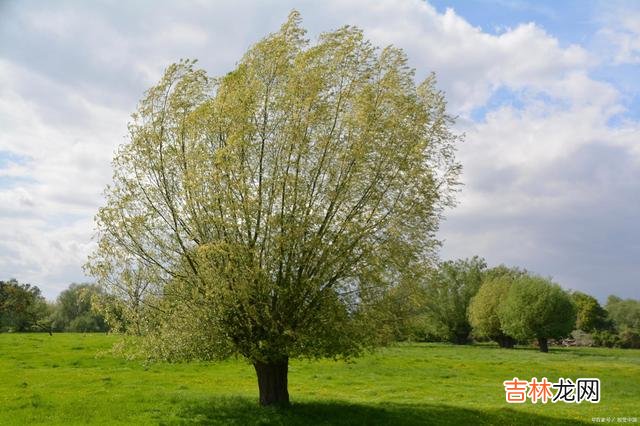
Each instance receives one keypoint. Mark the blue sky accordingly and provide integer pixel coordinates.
(547, 94)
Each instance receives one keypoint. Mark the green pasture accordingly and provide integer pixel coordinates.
(75, 379)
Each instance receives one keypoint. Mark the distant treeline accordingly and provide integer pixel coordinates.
(464, 300)
(458, 301)
(23, 308)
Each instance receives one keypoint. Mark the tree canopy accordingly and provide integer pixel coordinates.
(536, 308)
(269, 210)
(448, 294)
(74, 311)
(486, 304)
(590, 315)
(22, 307)
(625, 314)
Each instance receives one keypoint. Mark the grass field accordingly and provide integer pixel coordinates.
(74, 379)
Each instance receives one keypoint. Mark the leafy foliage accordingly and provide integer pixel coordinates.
(448, 295)
(271, 211)
(74, 312)
(537, 308)
(125, 308)
(626, 318)
(590, 315)
(485, 305)
(22, 307)
(624, 313)
(400, 315)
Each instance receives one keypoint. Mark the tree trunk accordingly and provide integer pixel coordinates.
(544, 346)
(272, 382)
(506, 342)
(461, 338)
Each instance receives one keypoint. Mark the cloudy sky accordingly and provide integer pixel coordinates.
(548, 96)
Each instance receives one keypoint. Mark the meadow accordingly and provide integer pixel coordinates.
(75, 379)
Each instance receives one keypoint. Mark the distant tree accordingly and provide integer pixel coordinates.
(22, 308)
(273, 207)
(401, 312)
(536, 308)
(484, 306)
(624, 312)
(448, 295)
(73, 310)
(626, 318)
(590, 315)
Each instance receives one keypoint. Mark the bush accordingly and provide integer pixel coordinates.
(581, 338)
(606, 338)
(629, 338)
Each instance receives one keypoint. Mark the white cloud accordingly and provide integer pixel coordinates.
(623, 33)
(539, 166)
(64, 142)
(470, 63)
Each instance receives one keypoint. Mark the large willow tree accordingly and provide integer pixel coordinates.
(266, 213)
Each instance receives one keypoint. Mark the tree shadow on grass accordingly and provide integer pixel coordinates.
(244, 411)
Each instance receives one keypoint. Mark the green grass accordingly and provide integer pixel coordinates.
(74, 379)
